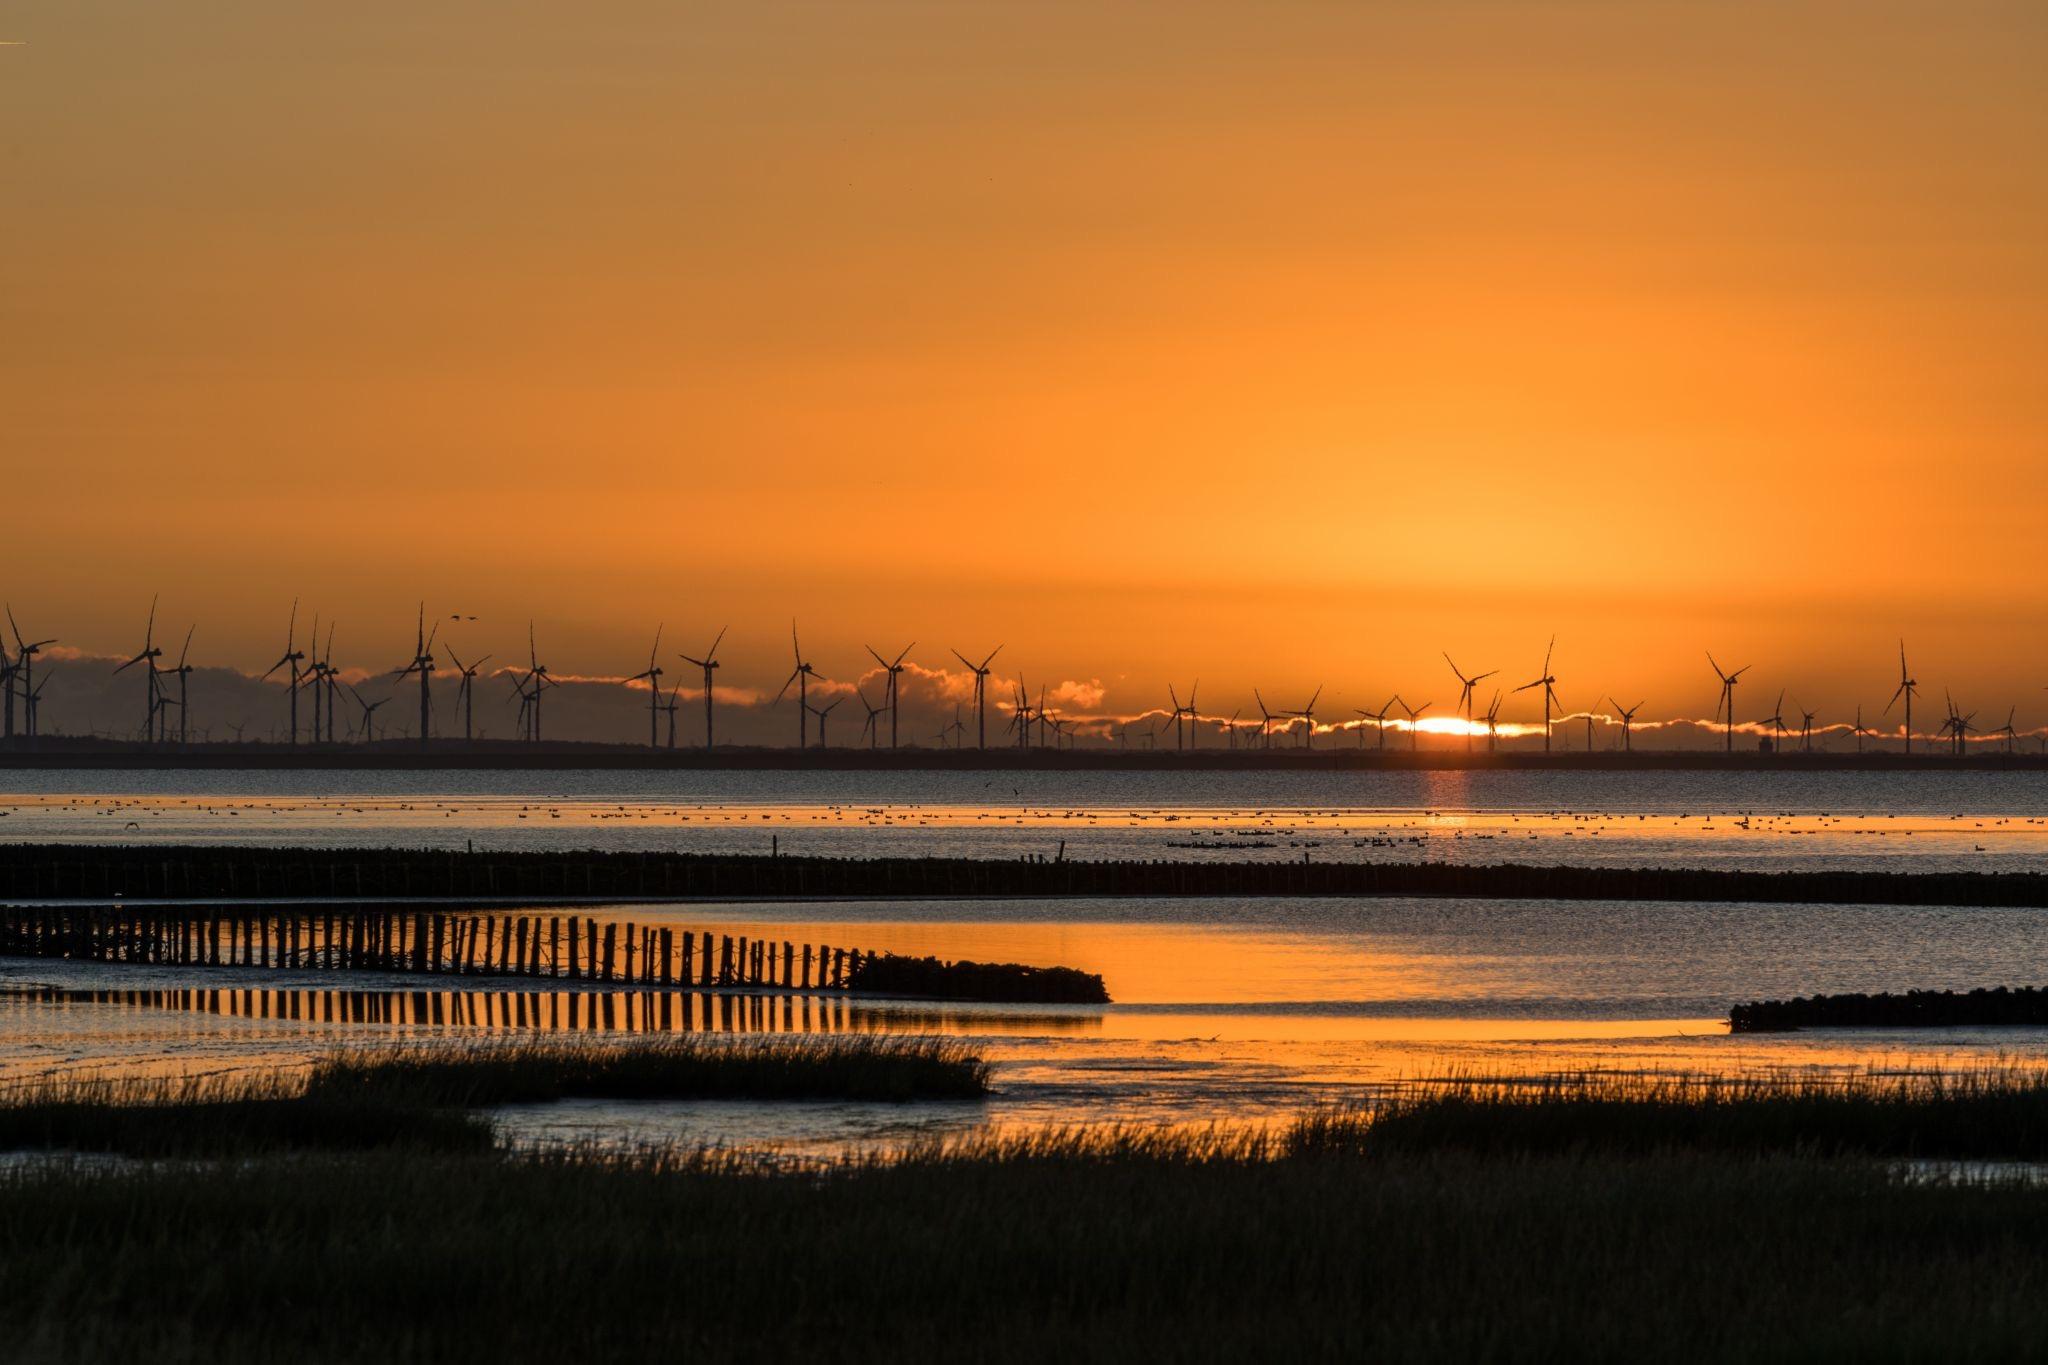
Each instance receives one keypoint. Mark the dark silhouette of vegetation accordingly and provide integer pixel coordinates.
(1909, 1009)
(895, 974)
(427, 1099)
(1061, 1247)
(1992, 1114)
(448, 877)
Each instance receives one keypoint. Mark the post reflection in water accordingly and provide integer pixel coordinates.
(585, 1011)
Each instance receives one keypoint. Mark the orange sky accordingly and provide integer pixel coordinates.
(1275, 343)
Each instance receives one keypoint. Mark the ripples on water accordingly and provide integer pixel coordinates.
(1912, 821)
(1226, 1010)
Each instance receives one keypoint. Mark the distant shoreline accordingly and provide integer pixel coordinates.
(456, 755)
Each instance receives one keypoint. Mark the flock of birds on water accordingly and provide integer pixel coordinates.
(1671, 838)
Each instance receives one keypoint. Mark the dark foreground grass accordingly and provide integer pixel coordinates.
(1116, 1248)
(426, 1099)
(1996, 1114)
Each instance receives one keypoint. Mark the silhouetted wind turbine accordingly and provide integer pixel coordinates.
(1958, 725)
(1805, 727)
(894, 670)
(801, 675)
(1548, 682)
(148, 657)
(1266, 721)
(465, 692)
(822, 714)
(1907, 687)
(1493, 722)
(871, 728)
(1628, 724)
(290, 659)
(1179, 711)
(672, 706)
(183, 671)
(652, 676)
(25, 652)
(1308, 713)
(1776, 720)
(709, 663)
(423, 664)
(1726, 706)
(369, 726)
(1465, 686)
(1414, 714)
(1858, 729)
(1379, 719)
(2012, 736)
(981, 672)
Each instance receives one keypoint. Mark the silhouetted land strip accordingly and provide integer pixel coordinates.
(432, 879)
(427, 1099)
(1315, 1243)
(2024, 1005)
(400, 755)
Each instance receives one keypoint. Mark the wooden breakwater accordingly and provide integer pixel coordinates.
(90, 871)
(374, 938)
(371, 938)
(2002, 1006)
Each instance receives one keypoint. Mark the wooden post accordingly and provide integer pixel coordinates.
(521, 968)
(610, 940)
(724, 959)
(668, 964)
(554, 945)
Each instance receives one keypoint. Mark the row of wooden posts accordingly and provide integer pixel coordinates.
(567, 947)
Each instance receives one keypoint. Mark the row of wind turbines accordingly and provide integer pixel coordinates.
(310, 672)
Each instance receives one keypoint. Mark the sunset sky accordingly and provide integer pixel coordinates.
(1275, 344)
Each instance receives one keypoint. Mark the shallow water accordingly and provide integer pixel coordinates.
(1236, 1012)
(1903, 821)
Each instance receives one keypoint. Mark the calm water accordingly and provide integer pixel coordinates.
(1225, 1011)
(1918, 821)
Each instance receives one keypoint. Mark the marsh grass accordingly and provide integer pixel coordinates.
(1987, 1113)
(684, 1067)
(1069, 1246)
(428, 1098)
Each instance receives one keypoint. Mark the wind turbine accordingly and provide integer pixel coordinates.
(1465, 686)
(1907, 687)
(1308, 713)
(823, 713)
(369, 728)
(182, 672)
(1858, 728)
(1958, 725)
(1548, 682)
(290, 659)
(1776, 720)
(871, 729)
(1493, 722)
(529, 688)
(1414, 714)
(1726, 706)
(1379, 719)
(672, 706)
(25, 652)
(894, 670)
(652, 675)
(709, 663)
(981, 672)
(2012, 736)
(1179, 711)
(801, 675)
(1628, 724)
(465, 693)
(1805, 727)
(1229, 727)
(149, 655)
(958, 729)
(423, 664)
(1266, 721)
